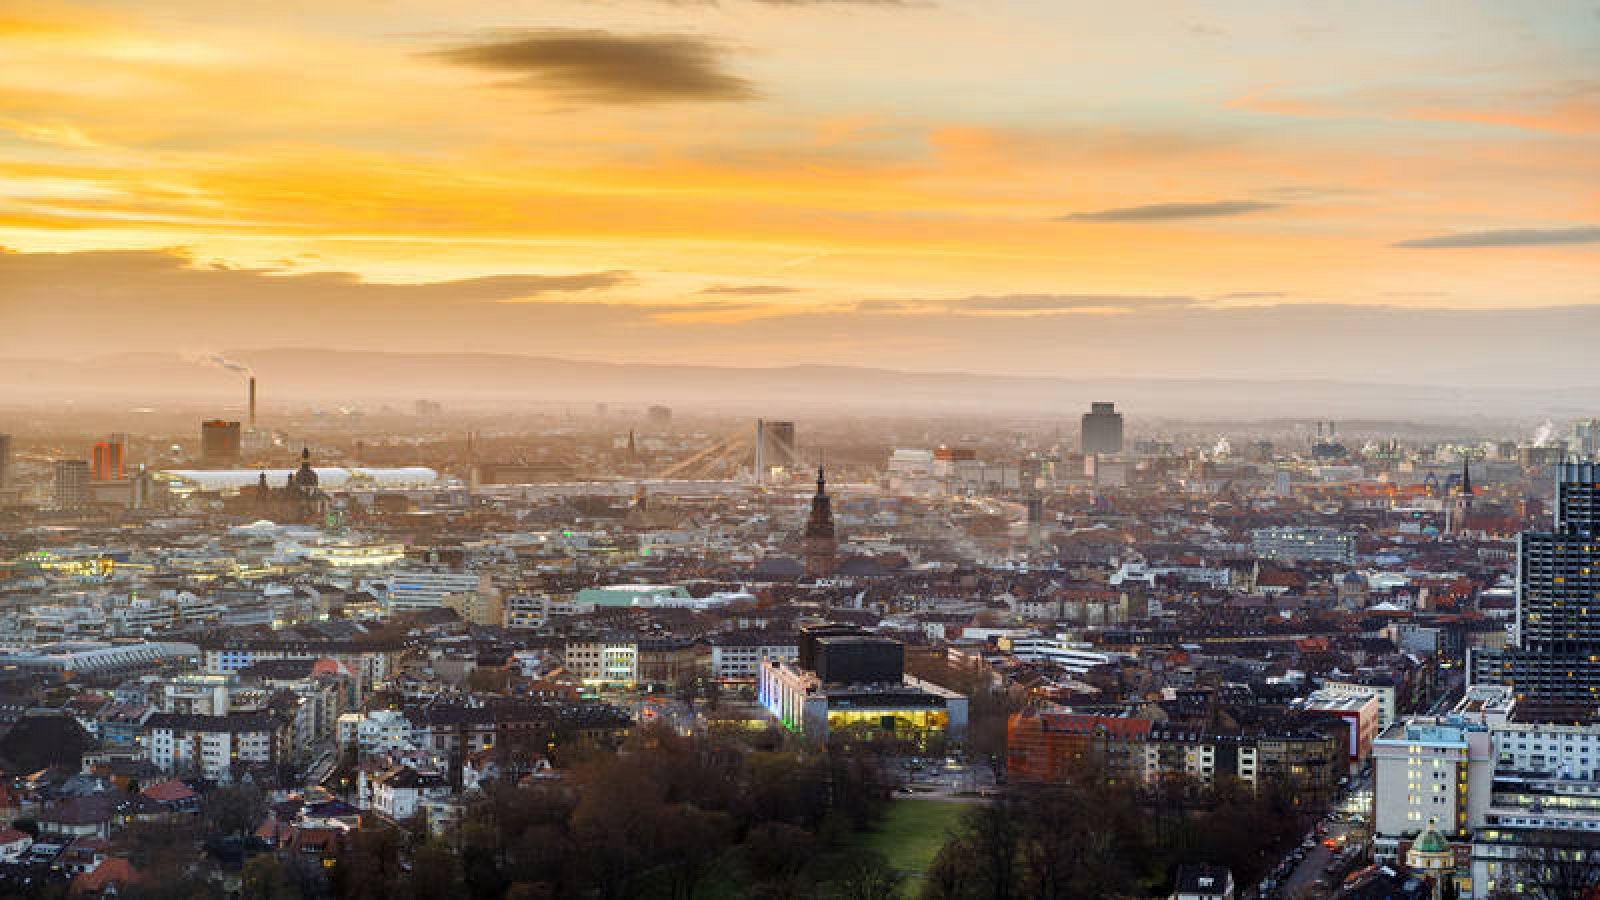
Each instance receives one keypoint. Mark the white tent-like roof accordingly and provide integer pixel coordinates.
(328, 477)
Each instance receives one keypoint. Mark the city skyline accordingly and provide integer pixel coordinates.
(1045, 189)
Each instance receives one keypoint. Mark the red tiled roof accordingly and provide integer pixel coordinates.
(115, 870)
(168, 792)
(274, 831)
(1082, 723)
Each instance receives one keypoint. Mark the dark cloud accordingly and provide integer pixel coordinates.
(606, 67)
(212, 305)
(1511, 237)
(1168, 212)
(749, 290)
(1048, 303)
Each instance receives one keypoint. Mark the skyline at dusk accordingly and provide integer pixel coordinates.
(799, 450)
(752, 182)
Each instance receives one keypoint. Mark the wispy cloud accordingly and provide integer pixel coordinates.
(1169, 212)
(749, 290)
(843, 3)
(605, 66)
(881, 306)
(905, 3)
(1064, 303)
(1511, 237)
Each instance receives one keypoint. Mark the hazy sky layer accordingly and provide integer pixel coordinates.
(1042, 187)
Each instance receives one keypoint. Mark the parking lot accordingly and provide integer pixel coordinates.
(945, 779)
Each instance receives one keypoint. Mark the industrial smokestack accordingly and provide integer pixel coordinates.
(252, 401)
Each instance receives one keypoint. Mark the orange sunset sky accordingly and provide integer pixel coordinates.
(999, 186)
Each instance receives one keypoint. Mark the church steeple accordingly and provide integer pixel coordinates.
(821, 542)
(1460, 506)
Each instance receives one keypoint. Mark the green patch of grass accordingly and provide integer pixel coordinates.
(912, 833)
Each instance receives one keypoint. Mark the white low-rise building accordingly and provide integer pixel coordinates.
(383, 731)
(614, 661)
(738, 656)
(209, 745)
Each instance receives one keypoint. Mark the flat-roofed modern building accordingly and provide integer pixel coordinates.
(1304, 543)
(846, 681)
(1360, 711)
(411, 591)
(95, 660)
(1429, 770)
(911, 709)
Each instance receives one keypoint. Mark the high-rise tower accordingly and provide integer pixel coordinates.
(107, 459)
(1102, 429)
(71, 483)
(821, 543)
(1555, 663)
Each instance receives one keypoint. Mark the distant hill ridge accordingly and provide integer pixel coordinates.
(490, 380)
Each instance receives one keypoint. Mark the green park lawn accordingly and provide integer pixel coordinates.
(912, 833)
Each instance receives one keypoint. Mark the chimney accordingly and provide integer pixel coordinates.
(252, 401)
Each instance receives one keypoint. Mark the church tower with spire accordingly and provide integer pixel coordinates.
(1461, 503)
(821, 543)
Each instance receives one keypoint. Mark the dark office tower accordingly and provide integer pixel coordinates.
(821, 542)
(108, 460)
(72, 484)
(1578, 498)
(1102, 429)
(219, 442)
(1555, 664)
(5, 461)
